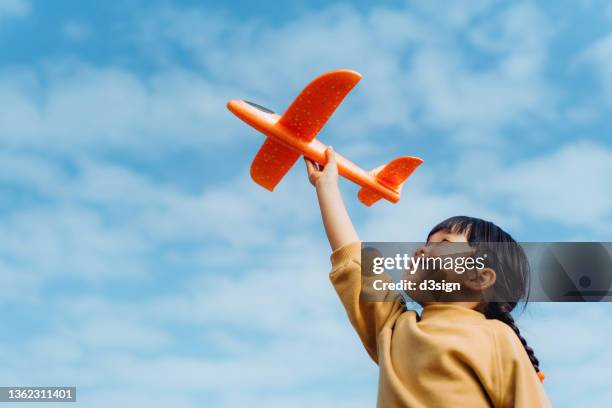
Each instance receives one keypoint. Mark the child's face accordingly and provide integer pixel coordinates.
(440, 244)
(445, 243)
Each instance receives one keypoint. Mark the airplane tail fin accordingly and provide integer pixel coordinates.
(392, 175)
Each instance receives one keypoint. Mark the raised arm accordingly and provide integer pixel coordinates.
(338, 226)
(367, 317)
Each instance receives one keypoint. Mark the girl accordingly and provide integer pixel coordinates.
(455, 354)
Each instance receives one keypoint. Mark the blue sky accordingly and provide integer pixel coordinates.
(140, 262)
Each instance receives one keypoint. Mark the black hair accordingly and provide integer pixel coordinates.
(508, 260)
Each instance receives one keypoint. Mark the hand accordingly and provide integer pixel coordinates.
(338, 226)
(327, 175)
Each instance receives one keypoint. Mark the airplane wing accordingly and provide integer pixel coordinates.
(317, 102)
(272, 162)
(304, 118)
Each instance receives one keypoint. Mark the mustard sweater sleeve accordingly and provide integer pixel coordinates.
(367, 317)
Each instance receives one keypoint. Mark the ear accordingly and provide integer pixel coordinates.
(480, 279)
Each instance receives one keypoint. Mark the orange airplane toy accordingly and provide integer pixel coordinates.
(291, 135)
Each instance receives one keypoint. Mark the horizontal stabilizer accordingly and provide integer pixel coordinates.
(391, 175)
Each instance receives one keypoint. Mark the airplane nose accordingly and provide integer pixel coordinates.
(239, 105)
(234, 105)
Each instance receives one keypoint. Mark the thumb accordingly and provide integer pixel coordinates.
(331, 155)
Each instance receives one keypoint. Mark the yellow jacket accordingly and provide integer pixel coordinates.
(450, 356)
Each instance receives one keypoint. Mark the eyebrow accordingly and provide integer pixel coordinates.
(444, 240)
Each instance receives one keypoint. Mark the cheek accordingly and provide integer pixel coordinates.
(452, 276)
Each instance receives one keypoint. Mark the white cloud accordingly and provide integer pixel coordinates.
(476, 104)
(76, 31)
(568, 186)
(145, 345)
(85, 107)
(571, 342)
(102, 221)
(230, 251)
(421, 209)
(599, 56)
(458, 13)
(13, 8)
(416, 77)
(130, 397)
(288, 309)
(69, 241)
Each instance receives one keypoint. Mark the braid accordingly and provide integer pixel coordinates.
(510, 263)
(501, 311)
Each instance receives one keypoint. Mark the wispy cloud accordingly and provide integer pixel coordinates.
(582, 353)
(13, 8)
(416, 74)
(566, 186)
(599, 56)
(76, 31)
(83, 107)
(153, 281)
(408, 67)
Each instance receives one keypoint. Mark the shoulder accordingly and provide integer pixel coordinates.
(511, 355)
(517, 381)
(350, 252)
(505, 338)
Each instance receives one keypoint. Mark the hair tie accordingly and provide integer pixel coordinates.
(541, 376)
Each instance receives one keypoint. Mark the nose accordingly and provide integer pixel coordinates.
(421, 251)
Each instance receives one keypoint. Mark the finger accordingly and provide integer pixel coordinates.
(331, 155)
(314, 165)
(331, 160)
(309, 166)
